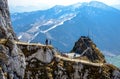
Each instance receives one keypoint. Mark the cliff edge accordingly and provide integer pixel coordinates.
(87, 49)
(12, 60)
(44, 62)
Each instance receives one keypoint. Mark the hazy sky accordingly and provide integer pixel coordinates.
(44, 4)
(54, 2)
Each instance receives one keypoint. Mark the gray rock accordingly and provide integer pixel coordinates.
(12, 60)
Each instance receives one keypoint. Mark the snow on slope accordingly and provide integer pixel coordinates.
(37, 27)
(69, 17)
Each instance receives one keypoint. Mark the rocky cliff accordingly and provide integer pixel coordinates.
(87, 49)
(44, 62)
(12, 60)
(19, 60)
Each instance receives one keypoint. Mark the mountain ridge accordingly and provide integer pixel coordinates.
(84, 17)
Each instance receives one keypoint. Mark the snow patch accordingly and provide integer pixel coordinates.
(33, 36)
(19, 37)
(49, 22)
(30, 34)
(69, 17)
(72, 55)
(53, 27)
(77, 5)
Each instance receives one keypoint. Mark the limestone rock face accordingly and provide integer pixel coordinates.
(44, 62)
(12, 60)
(37, 60)
(5, 22)
(86, 48)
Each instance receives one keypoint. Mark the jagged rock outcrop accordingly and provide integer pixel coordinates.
(44, 62)
(87, 49)
(38, 60)
(5, 22)
(12, 60)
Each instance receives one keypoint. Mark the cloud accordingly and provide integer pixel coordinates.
(45, 2)
(54, 2)
(50, 3)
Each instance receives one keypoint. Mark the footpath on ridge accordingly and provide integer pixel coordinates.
(3, 41)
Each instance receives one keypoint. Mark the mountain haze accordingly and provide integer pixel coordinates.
(63, 25)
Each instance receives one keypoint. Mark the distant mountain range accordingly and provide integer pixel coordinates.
(63, 25)
(21, 9)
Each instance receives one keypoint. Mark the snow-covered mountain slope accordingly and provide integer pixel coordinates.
(65, 24)
(44, 27)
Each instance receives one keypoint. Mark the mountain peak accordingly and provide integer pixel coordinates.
(85, 47)
(97, 4)
(57, 7)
